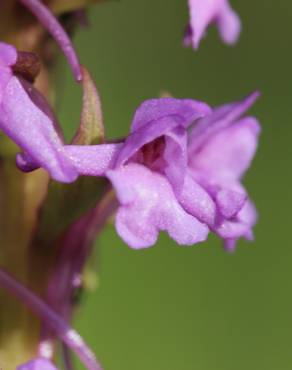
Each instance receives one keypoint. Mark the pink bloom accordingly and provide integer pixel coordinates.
(179, 171)
(147, 172)
(205, 12)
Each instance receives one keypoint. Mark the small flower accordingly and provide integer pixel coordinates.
(205, 12)
(27, 119)
(150, 172)
(147, 172)
(179, 172)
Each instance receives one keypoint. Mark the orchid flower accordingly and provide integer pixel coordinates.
(149, 166)
(179, 171)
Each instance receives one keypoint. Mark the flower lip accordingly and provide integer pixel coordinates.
(148, 205)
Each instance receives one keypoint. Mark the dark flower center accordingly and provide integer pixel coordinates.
(151, 154)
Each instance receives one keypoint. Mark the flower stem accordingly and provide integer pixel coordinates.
(68, 364)
(50, 22)
(68, 335)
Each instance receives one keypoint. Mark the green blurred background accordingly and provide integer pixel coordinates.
(169, 307)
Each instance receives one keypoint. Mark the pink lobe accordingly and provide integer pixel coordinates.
(148, 205)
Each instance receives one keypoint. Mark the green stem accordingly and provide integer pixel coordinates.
(19, 200)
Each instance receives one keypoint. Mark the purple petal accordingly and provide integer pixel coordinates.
(26, 163)
(157, 117)
(230, 245)
(38, 364)
(241, 226)
(221, 148)
(221, 118)
(202, 13)
(248, 217)
(196, 201)
(41, 103)
(8, 55)
(229, 24)
(228, 196)
(34, 132)
(205, 12)
(230, 202)
(93, 160)
(228, 154)
(232, 229)
(186, 111)
(148, 205)
(175, 156)
(88, 160)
